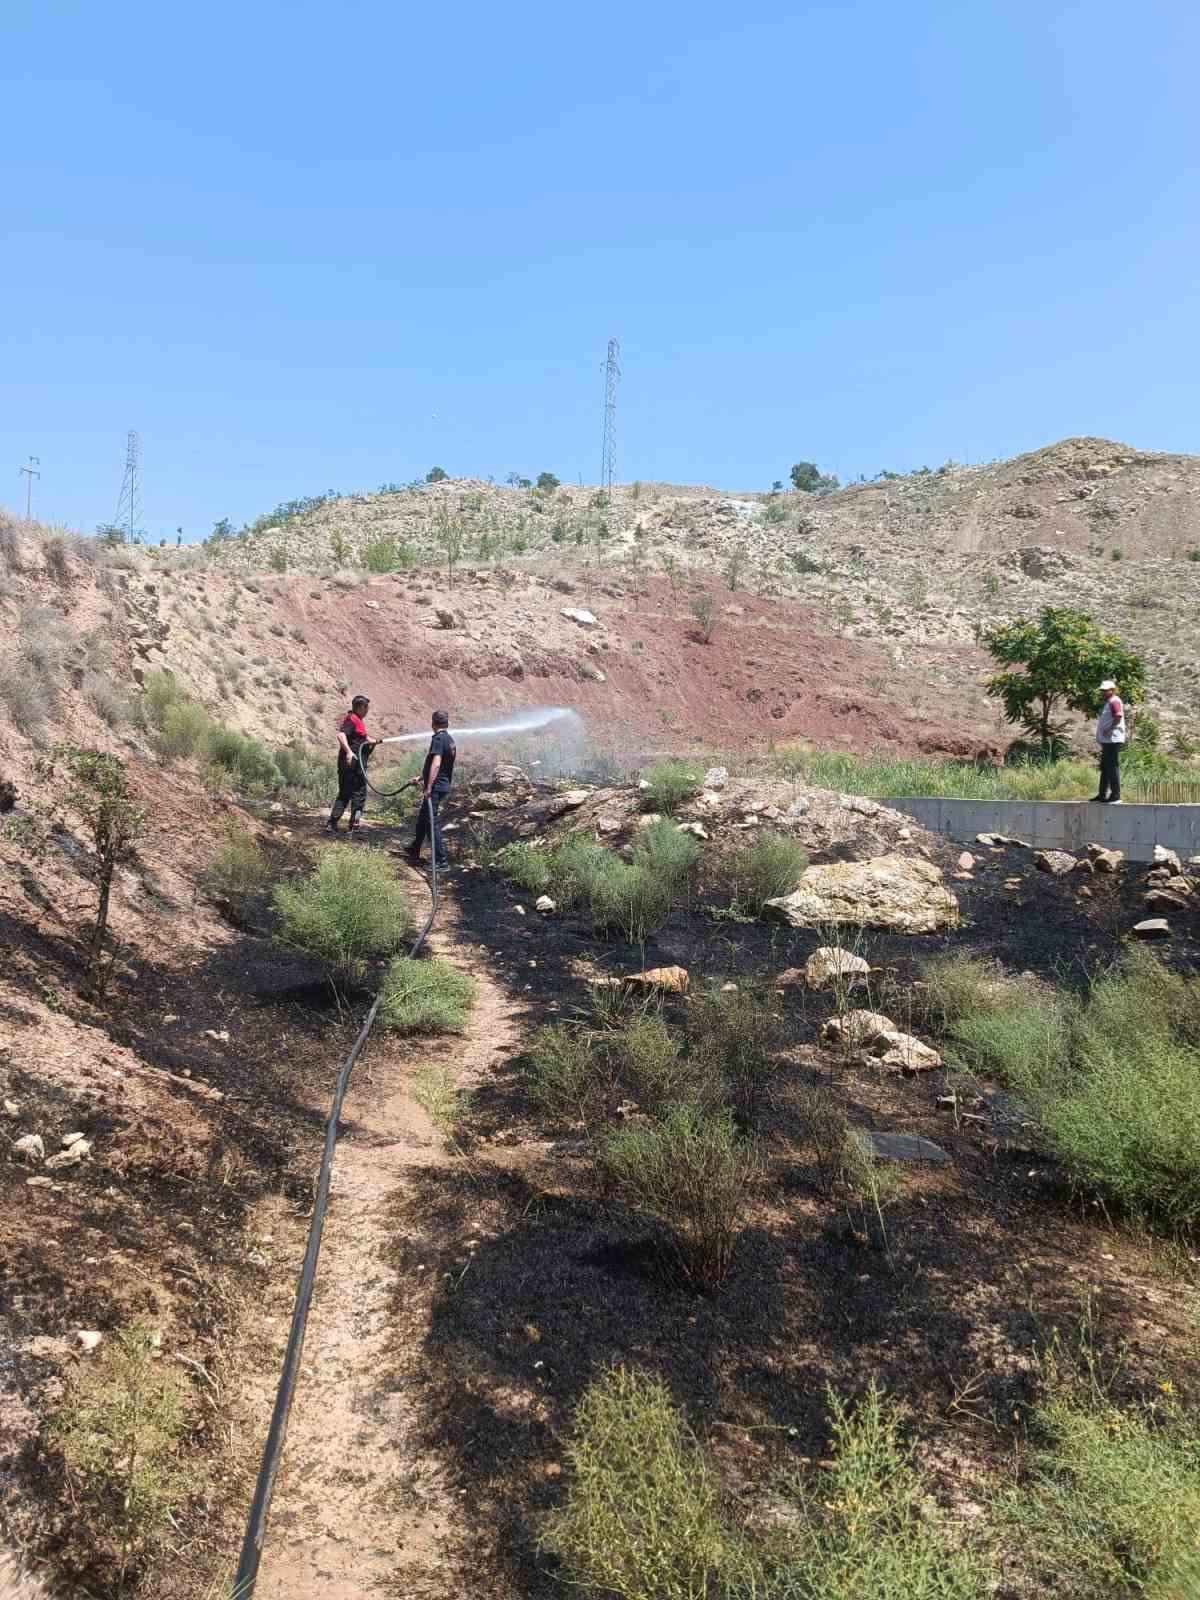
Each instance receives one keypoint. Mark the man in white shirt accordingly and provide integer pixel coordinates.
(1110, 736)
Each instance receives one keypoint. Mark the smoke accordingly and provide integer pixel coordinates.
(547, 739)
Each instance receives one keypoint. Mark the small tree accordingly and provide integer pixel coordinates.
(119, 1431)
(97, 793)
(1062, 657)
(436, 475)
(808, 477)
(547, 482)
(222, 531)
(702, 609)
(450, 537)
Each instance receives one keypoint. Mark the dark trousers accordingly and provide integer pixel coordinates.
(438, 845)
(352, 792)
(1110, 772)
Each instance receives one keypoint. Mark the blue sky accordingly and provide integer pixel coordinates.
(311, 245)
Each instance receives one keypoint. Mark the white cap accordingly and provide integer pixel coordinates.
(1107, 684)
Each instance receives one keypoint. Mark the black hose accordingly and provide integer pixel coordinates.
(384, 794)
(256, 1524)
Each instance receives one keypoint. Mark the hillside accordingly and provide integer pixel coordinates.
(911, 564)
(848, 619)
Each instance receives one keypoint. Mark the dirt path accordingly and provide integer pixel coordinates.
(344, 1514)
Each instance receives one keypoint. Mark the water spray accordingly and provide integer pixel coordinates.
(528, 722)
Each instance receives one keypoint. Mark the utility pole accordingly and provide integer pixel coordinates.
(608, 458)
(31, 472)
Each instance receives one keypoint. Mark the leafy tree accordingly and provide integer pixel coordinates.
(1054, 662)
(809, 478)
(546, 482)
(97, 793)
(222, 531)
(436, 475)
(450, 536)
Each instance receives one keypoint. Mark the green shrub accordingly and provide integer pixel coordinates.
(348, 908)
(641, 1518)
(574, 868)
(429, 996)
(631, 901)
(667, 852)
(868, 1530)
(119, 1430)
(435, 1090)
(1111, 1506)
(670, 784)
(652, 1064)
(387, 555)
(528, 868)
(183, 730)
(160, 691)
(692, 1172)
(735, 1033)
(762, 871)
(957, 986)
(1113, 1081)
(239, 868)
(245, 760)
(564, 1075)
(305, 776)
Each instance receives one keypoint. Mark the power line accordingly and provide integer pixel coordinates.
(129, 502)
(31, 472)
(608, 458)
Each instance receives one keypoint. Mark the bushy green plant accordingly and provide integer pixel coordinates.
(349, 907)
(425, 996)
(670, 784)
(386, 554)
(692, 1171)
(1113, 1081)
(1111, 1501)
(525, 866)
(959, 985)
(436, 1091)
(868, 1530)
(734, 1034)
(239, 868)
(574, 867)
(652, 1063)
(182, 731)
(119, 1429)
(642, 1514)
(304, 774)
(629, 900)
(762, 871)
(564, 1077)
(246, 761)
(668, 853)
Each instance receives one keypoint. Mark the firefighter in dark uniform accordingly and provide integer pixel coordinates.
(352, 780)
(436, 778)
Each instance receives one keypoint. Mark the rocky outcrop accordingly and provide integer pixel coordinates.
(898, 893)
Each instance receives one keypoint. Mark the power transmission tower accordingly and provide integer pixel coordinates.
(608, 460)
(31, 472)
(129, 503)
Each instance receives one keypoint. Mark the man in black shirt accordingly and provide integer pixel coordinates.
(436, 777)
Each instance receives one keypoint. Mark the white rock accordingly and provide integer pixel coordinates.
(68, 1139)
(545, 904)
(578, 614)
(716, 777)
(11, 1108)
(696, 829)
(88, 1339)
(520, 910)
(1167, 858)
(78, 1152)
(829, 963)
(30, 1145)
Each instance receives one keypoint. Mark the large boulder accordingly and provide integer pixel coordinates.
(900, 893)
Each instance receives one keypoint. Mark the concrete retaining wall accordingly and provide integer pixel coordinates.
(1062, 825)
